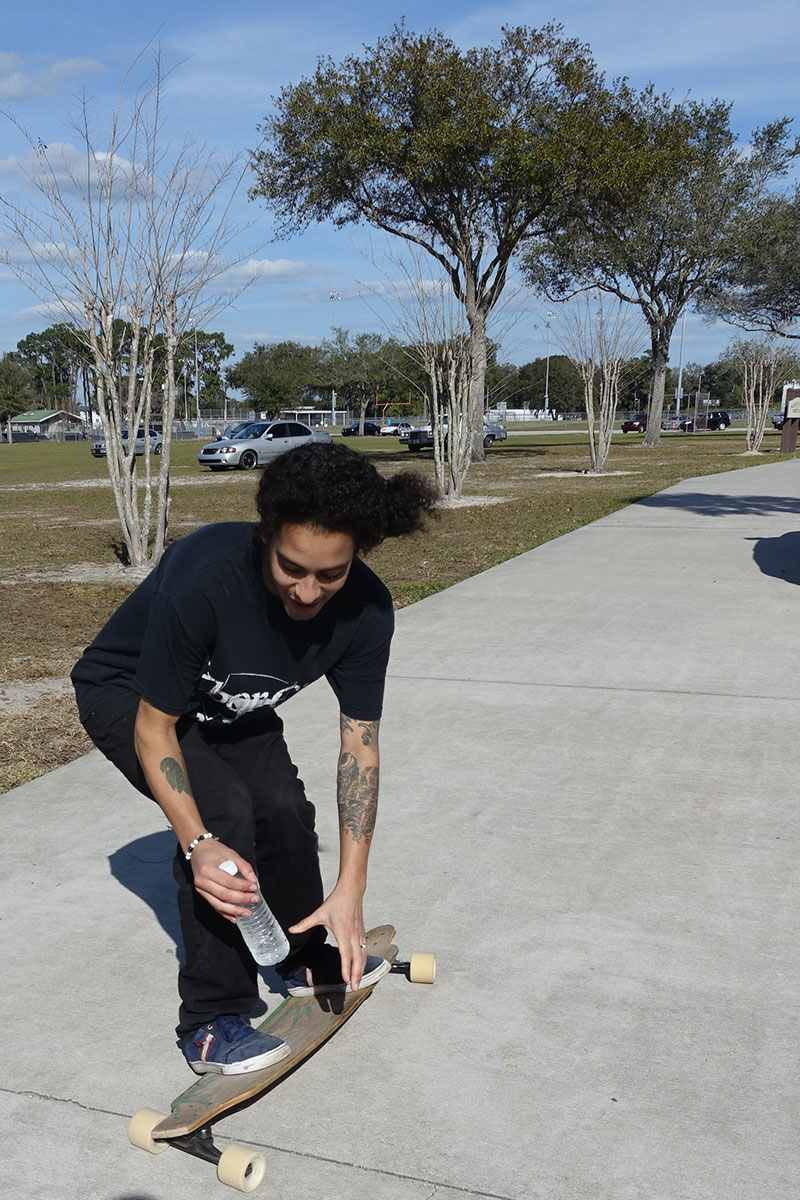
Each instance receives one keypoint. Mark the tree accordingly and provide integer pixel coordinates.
(16, 389)
(461, 153)
(564, 387)
(760, 289)
(202, 355)
(665, 190)
(598, 342)
(764, 365)
(434, 338)
(279, 375)
(126, 238)
(356, 367)
(56, 359)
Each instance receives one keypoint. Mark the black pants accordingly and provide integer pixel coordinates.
(249, 794)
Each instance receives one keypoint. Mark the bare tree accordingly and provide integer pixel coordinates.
(598, 339)
(434, 335)
(126, 237)
(765, 365)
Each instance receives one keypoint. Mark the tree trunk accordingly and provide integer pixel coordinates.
(660, 339)
(476, 319)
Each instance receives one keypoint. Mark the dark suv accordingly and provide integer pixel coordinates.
(717, 419)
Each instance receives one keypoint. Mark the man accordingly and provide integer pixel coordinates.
(179, 691)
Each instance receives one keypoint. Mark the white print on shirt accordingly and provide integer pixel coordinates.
(239, 695)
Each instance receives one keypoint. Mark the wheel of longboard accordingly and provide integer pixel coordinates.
(140, 1131)
(422, 968)
(241, 1168)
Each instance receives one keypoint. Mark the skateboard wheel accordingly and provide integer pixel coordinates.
(140, 1131)
(422, 968)
(241, 1168)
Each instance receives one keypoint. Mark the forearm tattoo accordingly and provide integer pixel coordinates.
(357, 794)
(175, 776)
(368, 730)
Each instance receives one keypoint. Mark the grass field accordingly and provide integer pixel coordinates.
(60, 574)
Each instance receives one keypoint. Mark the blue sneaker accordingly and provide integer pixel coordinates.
(230, 1046)
(322, 972)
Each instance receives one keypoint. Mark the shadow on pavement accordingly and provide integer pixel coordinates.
(144, 867)
(779, 557)
(708, 504)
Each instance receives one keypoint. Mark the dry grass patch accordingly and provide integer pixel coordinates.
(47, 736)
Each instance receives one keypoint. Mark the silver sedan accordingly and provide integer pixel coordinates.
(257, 443)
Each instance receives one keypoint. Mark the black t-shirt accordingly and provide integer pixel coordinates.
(202, 636)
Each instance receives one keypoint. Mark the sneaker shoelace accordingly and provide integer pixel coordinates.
(234, 1029)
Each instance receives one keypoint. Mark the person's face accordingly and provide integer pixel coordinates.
(305, 566)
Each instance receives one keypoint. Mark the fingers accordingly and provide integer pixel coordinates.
(229, 895)
(354, 959)
(345, 920)
(316, 918)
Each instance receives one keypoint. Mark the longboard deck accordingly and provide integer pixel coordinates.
(303, 1022)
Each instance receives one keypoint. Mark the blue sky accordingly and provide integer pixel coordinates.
(231, 63)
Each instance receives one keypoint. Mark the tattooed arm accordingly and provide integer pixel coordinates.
(159, 752)
(357, 796)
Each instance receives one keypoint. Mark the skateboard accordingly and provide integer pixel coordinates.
(304, 1023)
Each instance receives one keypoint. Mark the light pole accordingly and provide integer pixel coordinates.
(550, 316)
(333, 297)
(679, 389)
(196, 383)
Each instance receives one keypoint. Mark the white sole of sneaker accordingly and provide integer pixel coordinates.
(325, 989)
(252, 1064)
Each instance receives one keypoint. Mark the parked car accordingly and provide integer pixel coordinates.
(777, 420)
(390, 430)
(371, 429)
(98, 448)
(259, 442)
(636, 424)
(493, 431)
(232, 431)
(716, 420)
(422, 438)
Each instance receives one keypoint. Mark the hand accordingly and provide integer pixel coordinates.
(225, 893)
(342, 913)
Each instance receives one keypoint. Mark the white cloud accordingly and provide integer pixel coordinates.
(20, 81)
(261, 270)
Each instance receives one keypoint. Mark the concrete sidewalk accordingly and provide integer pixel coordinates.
(588, 811)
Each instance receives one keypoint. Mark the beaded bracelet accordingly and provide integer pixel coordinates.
(203, 837)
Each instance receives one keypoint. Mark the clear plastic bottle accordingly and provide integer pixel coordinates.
(262, 934)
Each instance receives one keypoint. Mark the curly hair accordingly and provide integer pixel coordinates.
(336, 489)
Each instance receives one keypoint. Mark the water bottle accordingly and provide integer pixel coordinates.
(262, 934)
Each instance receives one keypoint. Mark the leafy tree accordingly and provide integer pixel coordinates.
(462, 153)
(635, 382)
(212, 350)
(280, 375)
(17, 389)
(363, 370)
(56, 358)
(664, 192)
(565, 389)
(760, 288)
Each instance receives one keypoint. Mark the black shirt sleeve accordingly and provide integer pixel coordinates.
(175, 651)
(358, 678)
